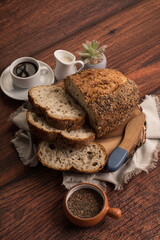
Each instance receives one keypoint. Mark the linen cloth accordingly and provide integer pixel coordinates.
(144, 159)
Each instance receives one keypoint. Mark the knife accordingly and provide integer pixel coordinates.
(132, 133)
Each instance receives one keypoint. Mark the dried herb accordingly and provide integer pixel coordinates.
(85, 203)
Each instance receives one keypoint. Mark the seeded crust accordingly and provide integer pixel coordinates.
(59, 108)
(106, 94)
(88, 159)
(40, 128)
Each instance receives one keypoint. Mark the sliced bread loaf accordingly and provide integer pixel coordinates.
(88, 159)
(106, 94)
(43, 130)
(60, 109)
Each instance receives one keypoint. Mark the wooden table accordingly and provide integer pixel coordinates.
(31, 198)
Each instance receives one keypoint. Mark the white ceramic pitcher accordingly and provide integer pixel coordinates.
(66, 64)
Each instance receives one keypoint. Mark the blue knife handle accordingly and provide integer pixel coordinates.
(116, 159)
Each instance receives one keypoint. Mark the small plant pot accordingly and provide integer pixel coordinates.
(89, 221)
(100, 65)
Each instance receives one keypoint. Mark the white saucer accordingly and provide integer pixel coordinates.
(22, 93)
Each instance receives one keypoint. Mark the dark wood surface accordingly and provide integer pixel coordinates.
(31, 198)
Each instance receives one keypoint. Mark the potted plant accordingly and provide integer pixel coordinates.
(93, 55)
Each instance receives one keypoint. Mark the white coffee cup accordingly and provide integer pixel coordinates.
(30, 81)
(66, 64)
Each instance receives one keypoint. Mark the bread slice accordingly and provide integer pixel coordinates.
(106, 94)
(43, 130)
(60, 109)
(87, 159)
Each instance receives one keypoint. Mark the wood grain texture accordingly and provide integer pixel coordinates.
(133, 35)
(31, 198)
(29, 27)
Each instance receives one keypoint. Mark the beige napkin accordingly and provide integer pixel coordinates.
(23, 142)
(144, 159)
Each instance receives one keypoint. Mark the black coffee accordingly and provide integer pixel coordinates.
(25, 69)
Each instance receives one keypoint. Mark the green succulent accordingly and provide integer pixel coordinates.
(92, 52)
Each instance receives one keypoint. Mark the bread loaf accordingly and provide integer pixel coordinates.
(43, 130)
(106, 94)
(88, 159)
(59, 108)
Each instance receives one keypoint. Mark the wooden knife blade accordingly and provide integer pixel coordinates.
(132, 133)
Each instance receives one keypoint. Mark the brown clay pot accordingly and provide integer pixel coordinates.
(87, 222)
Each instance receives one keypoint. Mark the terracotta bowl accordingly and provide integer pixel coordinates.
(87, 222)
